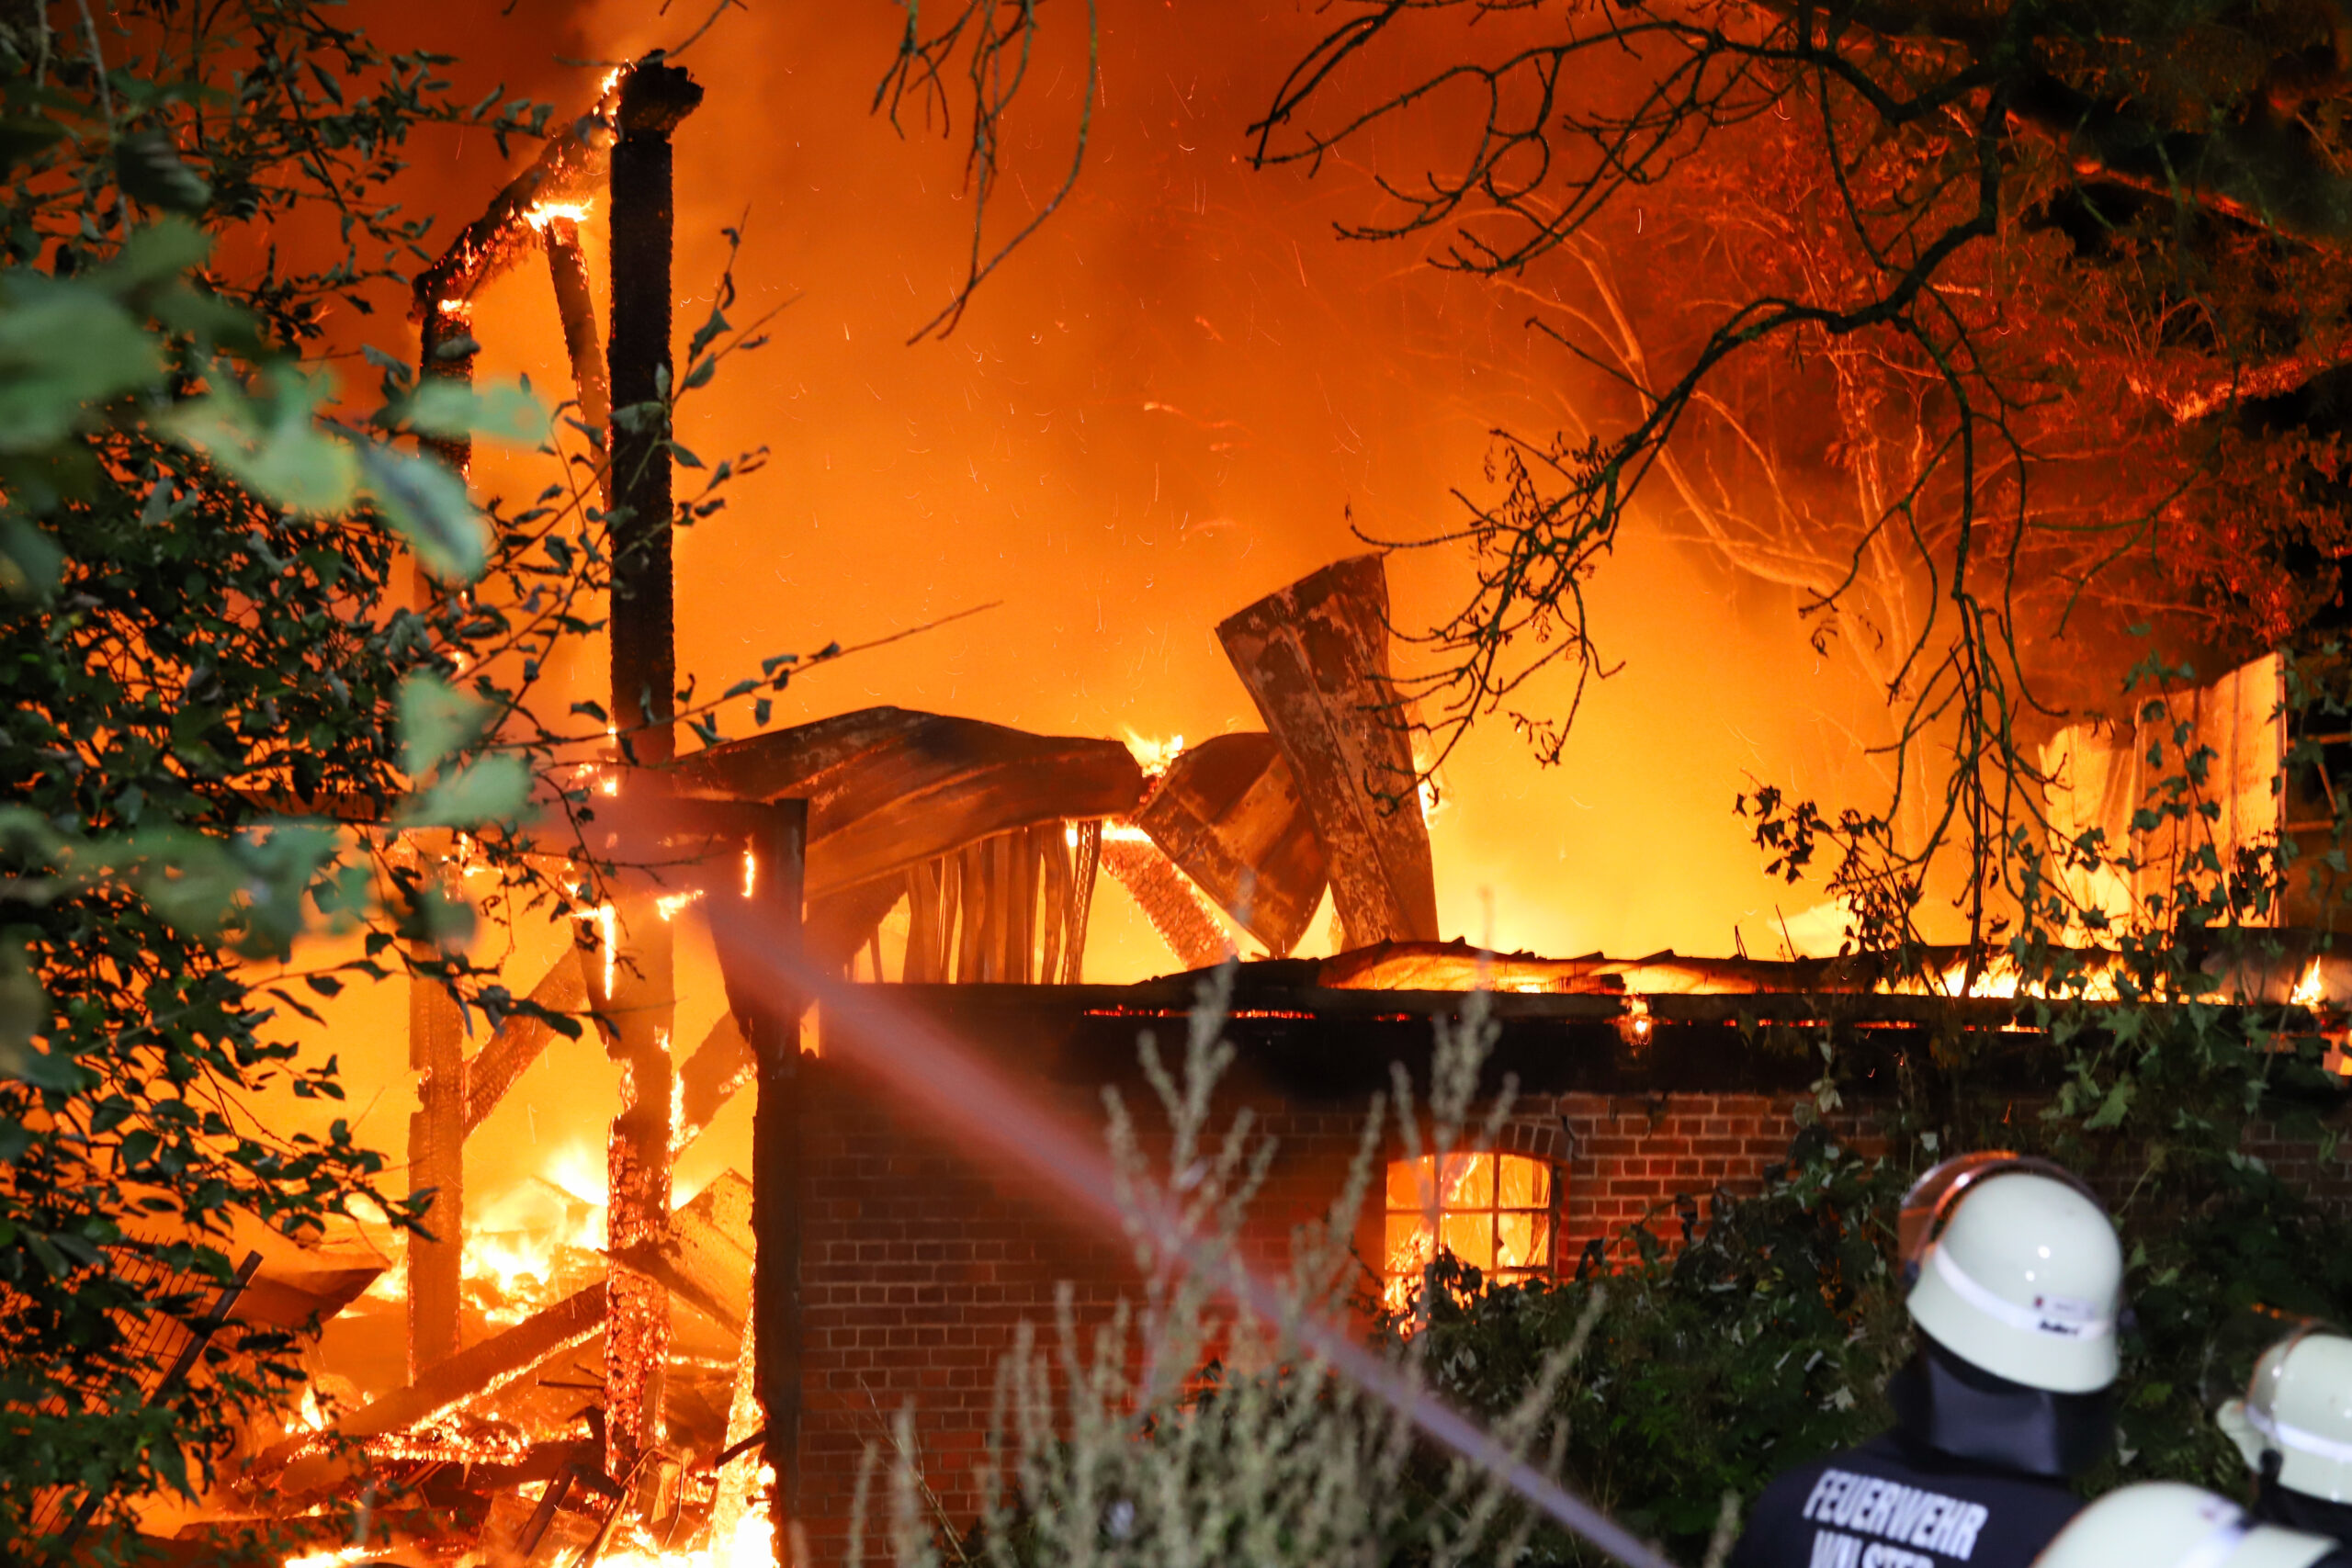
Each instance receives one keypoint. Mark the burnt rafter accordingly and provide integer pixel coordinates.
(890, 789)
(1229, 813)
(1314, 657)
(570, 169)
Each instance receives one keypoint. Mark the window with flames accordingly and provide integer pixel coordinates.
(1494, 1212)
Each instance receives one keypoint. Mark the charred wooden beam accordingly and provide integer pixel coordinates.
(1174, 906)
(474, 1373)
(708, 1079)
(654, 98)
(638, 1015)
(773, 1025)
(575, 305)
(516, 1044)
(890, 789)
(569, 171)
(1229, 814)
(436, 1163)
(448, 354)
(1314, 657)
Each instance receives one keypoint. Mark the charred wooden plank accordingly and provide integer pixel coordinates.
(1315, 657)
(516, 1044)
(888, 789)
(436, 1163)
(475, 1372)
(1228, 812)
(840, 923)
(1173, 906)
(709, 1080)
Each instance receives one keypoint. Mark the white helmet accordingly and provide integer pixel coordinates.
(2299, 1406)
(2016, 1270)
(2163, 1523)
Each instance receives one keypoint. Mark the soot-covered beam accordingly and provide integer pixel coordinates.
(654, 98)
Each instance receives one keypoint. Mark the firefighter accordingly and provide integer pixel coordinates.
(2163, 1523)
(2294, 1426)
(2014, 1282)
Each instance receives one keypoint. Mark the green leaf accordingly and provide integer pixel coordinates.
(24, 1013)
(492, 789)
(64, 344)
(449, 408)
(31, 564)
(436, 722)
(150, 170)
(159, 252)
(429, 505)
(274, 447)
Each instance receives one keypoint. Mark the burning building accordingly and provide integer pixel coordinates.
(615, 1345)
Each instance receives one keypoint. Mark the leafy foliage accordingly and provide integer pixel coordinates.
(249, 644)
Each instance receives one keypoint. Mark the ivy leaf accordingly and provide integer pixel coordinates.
(429, 505)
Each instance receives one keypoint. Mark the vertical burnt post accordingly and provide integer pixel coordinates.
(654, 97)
(448, 354)
(437, 1160)
(641, 1008)
(779, 851)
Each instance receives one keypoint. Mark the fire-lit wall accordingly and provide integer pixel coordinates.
(921, 1257)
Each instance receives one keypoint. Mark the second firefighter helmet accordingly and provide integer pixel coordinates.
(2014, 1267)
(2297, 1414)
(2163, 1523)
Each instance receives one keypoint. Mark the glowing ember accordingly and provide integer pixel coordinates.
(546, 213)
(1153, 756)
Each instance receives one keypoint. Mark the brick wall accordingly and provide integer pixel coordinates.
(919, 1263)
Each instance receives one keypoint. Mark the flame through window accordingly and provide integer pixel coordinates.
(1494, 1212)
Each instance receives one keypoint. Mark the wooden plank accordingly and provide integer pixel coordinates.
(707, 1080)
(923, 924)
(888, 789)
(476, 1370)
(1053, 858)
(508, 1054)
(972, 903)
(1174, 906)
(436, 1162)
(1314, 657)
(1088, 864)
(1228, 812)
